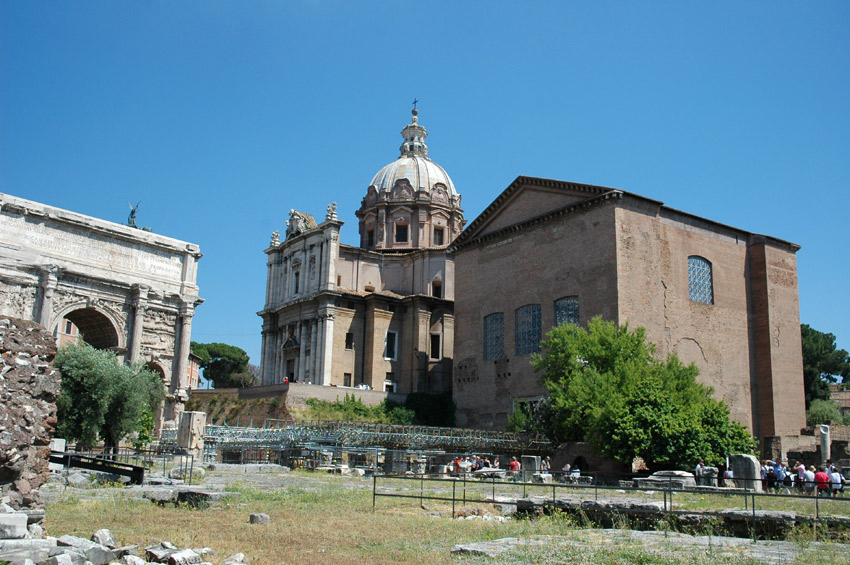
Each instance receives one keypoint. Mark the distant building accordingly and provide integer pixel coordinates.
(380, 315)
(120, 288)
(547, 252)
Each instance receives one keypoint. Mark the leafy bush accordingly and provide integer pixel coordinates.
(825, 412)
(607, 388)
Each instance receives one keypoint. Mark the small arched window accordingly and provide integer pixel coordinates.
(566, 310)
(494, 336)
(700, 284)
(527, 329)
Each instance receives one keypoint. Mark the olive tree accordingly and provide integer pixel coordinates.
(102, 399)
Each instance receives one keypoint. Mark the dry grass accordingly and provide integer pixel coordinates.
(330, 520)
(328, 525)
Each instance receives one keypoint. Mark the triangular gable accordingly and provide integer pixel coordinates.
(527, 198)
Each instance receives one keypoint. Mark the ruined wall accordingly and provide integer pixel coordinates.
(28, 388)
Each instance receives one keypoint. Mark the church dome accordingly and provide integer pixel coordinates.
(414, 165)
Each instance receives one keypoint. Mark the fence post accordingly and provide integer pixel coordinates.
(374, 490)
(464, 489)
(493, 479)
(755, 536)
(454, 496)
(421, 489)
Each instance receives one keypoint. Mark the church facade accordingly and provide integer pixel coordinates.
(379, 315)
(547, 252)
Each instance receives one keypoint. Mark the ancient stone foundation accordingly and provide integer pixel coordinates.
(28, 388)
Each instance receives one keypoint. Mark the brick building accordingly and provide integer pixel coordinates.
(546, 251)
(377, 315)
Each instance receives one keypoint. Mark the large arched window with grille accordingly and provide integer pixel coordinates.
(527, 334)
(700, 284)
(566, 310)
(494, 336)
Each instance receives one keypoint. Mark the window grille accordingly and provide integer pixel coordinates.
(527, 334)
(494, 336)
(566, 310)
(699, 280)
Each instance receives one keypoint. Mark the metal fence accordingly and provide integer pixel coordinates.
(708, 501)
(155, 459)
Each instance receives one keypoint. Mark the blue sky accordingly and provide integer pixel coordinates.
(221, 116)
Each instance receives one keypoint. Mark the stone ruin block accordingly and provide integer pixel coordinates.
(28, 390)
(746, 471)
(190, 433)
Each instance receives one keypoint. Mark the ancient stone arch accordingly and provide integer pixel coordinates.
(119, 287)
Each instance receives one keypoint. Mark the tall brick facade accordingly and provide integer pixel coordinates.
(720, 297)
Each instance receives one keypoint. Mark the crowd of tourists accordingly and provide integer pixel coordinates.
(825, 480)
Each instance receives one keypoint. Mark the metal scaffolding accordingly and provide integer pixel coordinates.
(366, 435)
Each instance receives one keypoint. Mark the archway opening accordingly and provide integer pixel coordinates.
(95, 328)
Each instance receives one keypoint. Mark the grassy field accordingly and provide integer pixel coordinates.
(329, 521)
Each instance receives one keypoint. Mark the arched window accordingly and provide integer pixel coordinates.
(700, 287)
(527, 334)
(566, 310)
(494, 336)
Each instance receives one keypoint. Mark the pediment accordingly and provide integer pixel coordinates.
(528, 198)
(530, 202)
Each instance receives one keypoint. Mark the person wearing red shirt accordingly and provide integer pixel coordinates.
(514, 465)
(822, 481)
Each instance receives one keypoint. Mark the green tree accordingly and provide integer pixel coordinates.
(101, 399)
(607, 388)
(823, 363)
(226, 366)
(826, 412)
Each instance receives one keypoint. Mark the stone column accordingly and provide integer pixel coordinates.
(49, 282)
(178, 381)
(314, 347)
(327, 348)
(140, 297)
(825, 446)
(300, 363)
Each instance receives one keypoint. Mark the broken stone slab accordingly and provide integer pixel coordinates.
(198, 498)
(13, 525)
(70, 558)
(104, 537)
(236, 559)
(19, 550)
(77, 480)
(96, 553)
(493, 548)
(131, 560)
(259, 518)
(159, 495)
(184, 557)
(125, 550)
(159, 552)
